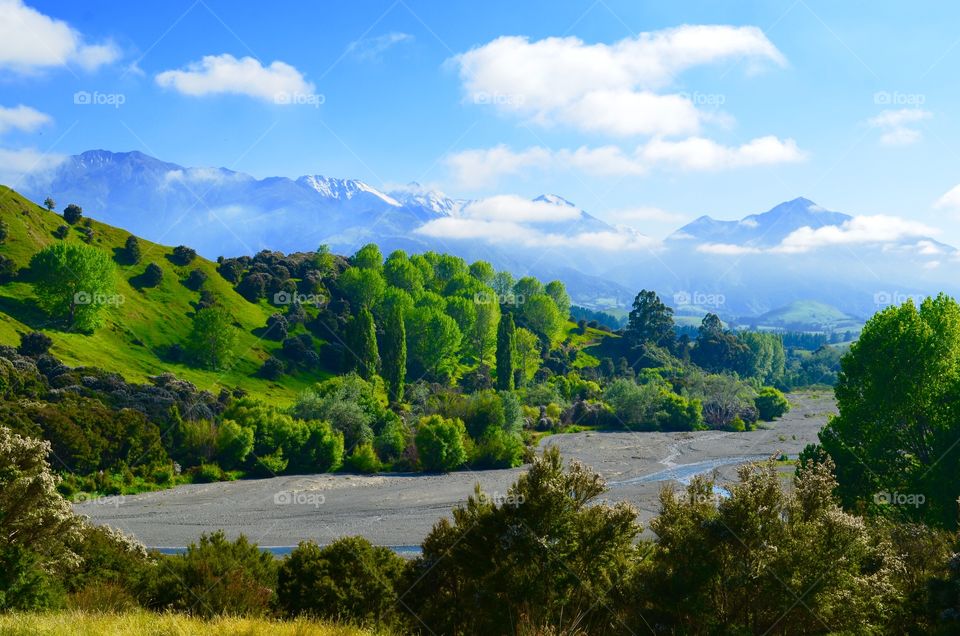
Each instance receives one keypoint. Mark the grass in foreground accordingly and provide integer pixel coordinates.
(140, 622)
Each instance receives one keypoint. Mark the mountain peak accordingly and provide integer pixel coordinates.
(335, 188)
(555, 200)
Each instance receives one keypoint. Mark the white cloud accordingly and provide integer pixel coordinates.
(950, 201)
(727, 249)
(609, 88)
(896, 126)
(697, 153)
(484, 167)
(510, 219)
(858, 230)
(23, 163)
(217, 74)
(31, 41)
(371, 49)
(22, 118)
(509, 207)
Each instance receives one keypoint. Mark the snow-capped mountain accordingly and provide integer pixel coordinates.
(795, 251)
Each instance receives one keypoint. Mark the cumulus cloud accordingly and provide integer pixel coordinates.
(608, 88)
(22, 118)
(510, 219)
(219, 74)
(898, 126)
(25, 163)
(858, 230)
(372, 49)
(31, 41)
(484, 167)
(727, 249)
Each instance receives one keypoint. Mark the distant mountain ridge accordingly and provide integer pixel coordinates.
(224, 212)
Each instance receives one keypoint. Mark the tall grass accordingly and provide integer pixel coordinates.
(77, 623)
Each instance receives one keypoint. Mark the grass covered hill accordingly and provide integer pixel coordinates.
(146, 321)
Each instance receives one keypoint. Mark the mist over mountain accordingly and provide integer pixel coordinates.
(795, 251)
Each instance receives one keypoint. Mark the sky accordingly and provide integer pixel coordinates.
(644, 114)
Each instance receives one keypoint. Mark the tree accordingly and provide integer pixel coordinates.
(34, 344)
(544, 557)
(527, 349)
(483, 332)
(37, 526)
(718, 350)
(650, 321)
(440, 443)
(362, 287)
(363, 353)
(506, 341)
(212, 340)
(49, 203)
(541, 314)
(898, 393)
(483, 272)
(434, 340)
(395, 354)
(558, 293)
(770, 403)
(400, 272)
(4, 231)
(72, 213)
(131, 250)
(348, 580)
(152, 275)
(183, 255)
(75, 282)
(368, 257)
(786, 543)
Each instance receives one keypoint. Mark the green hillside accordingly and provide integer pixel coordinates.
(808, 315)
(137, 331)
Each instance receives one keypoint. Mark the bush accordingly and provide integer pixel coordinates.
(183, 255)
(61, 232)
(8, 269)
(349, 580)
(72, 213)
(272, 368)
(363, 459)
(196, 279)
(131, 250)
(153, 275)
(498, 449)
(770, 403)
(440, 443)
(4, 231)
(207, 473)
(392, 440)
(216, 577)
(34, 344)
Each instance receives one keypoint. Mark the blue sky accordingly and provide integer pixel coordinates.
(642, 113)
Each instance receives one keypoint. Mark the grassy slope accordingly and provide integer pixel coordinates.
(146, 322)
(811, 313)
(130, 623)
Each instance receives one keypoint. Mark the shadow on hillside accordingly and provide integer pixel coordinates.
(140, 282)
(27, 311)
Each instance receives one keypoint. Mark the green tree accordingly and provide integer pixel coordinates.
(440, 443)
(483, 272)
(368, 257)
(545, 557)
(72, 213)
(527, 350)
(650, 321)
(49, 203)
(362, 287)
(75, 282)
(131, 250)
(348, 580)
(212, 339)
(770, 403)
(363, 344)
(558, 293)
(434, 340)
(395, 354)
(898, 393)
(506, 341)
(401, 273)
(483, 332)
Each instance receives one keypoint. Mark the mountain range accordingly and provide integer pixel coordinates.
(741, 268)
